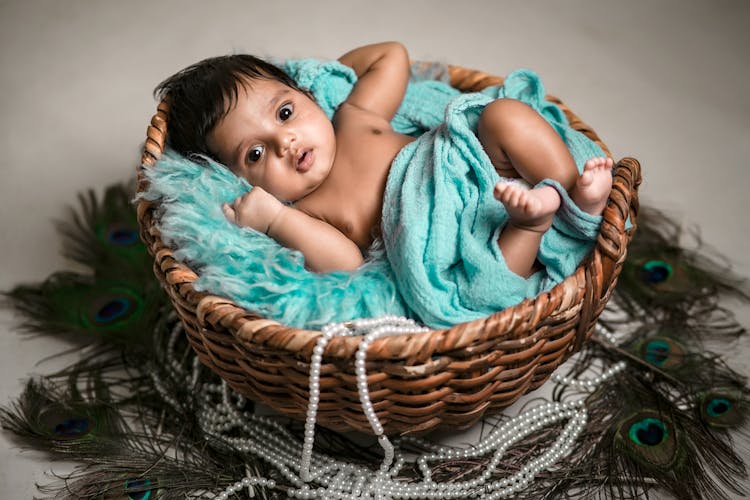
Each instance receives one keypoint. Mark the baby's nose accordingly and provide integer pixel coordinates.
(285, 142)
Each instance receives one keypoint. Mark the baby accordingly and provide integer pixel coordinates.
(318, 185)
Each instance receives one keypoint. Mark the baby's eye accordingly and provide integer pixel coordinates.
(285, 112)
(254, 154)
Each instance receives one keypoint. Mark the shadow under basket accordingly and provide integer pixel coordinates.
(417, 382)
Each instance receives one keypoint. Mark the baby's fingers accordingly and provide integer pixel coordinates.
(229, 212)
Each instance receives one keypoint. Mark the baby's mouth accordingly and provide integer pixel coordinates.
(305, 160)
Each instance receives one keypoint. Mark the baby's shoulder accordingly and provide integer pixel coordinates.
(353, 122)
(352, 115)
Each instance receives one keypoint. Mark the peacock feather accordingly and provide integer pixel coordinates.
(638, 441)
(723, 407)
(115, 299)
(66, 423)
(660, 274)
(677, 358)
(121, 457)
(102, 234)
(119, 312)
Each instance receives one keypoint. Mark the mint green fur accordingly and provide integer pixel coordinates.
(248, 266)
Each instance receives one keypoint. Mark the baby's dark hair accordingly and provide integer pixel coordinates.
(200, 95)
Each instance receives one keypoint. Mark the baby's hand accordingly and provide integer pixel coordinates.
(256, 209)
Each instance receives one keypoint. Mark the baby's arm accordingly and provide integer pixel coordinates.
(325, 248)
(382, 74)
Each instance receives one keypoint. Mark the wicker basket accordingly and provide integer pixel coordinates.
(417, 382)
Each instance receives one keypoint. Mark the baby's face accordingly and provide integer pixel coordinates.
(276, 138)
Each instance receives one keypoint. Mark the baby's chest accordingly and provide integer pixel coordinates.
(357, 209)
(352, 197)
(361, 182)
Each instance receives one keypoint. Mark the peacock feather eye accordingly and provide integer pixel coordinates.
(656, 352)
(121, 240)
(655, 272)
(111, 307)
(72, 427)
(648, 437)
(64, 425)
(648, 432)
(112, 310)
(721, 409)
(718, 407)
(122, 236)
(662, 278)
(662, 352)
(140, 485)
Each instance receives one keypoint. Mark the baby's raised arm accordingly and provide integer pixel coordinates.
(325, 248)
(382, 74)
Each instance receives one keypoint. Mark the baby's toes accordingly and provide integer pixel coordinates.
(504, 192)
(500, 189)
(599, 163)
(596, 163)
(586, 178)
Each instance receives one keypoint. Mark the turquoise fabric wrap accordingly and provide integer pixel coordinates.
(441, 220)
(264, 277)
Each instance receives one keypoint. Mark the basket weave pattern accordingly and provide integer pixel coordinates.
(417, 382)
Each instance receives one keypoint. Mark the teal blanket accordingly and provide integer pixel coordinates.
(441, 220)
(262, 276)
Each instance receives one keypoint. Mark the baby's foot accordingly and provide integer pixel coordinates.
(593, 186)
(531, 209)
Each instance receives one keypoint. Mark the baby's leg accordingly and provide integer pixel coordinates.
(520, 142)
(531, 212)
(592, 188)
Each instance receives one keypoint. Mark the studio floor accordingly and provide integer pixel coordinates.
(663, 81)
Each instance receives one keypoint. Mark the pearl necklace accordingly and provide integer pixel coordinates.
(222, 420)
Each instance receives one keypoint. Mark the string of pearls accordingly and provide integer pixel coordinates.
(590, 384)
(246, 482)
(312, 404)
(309, 474)
(175, 367)
(376, 329)
(503, 438)
(369, 329)
(606, 335)
(261, 437)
